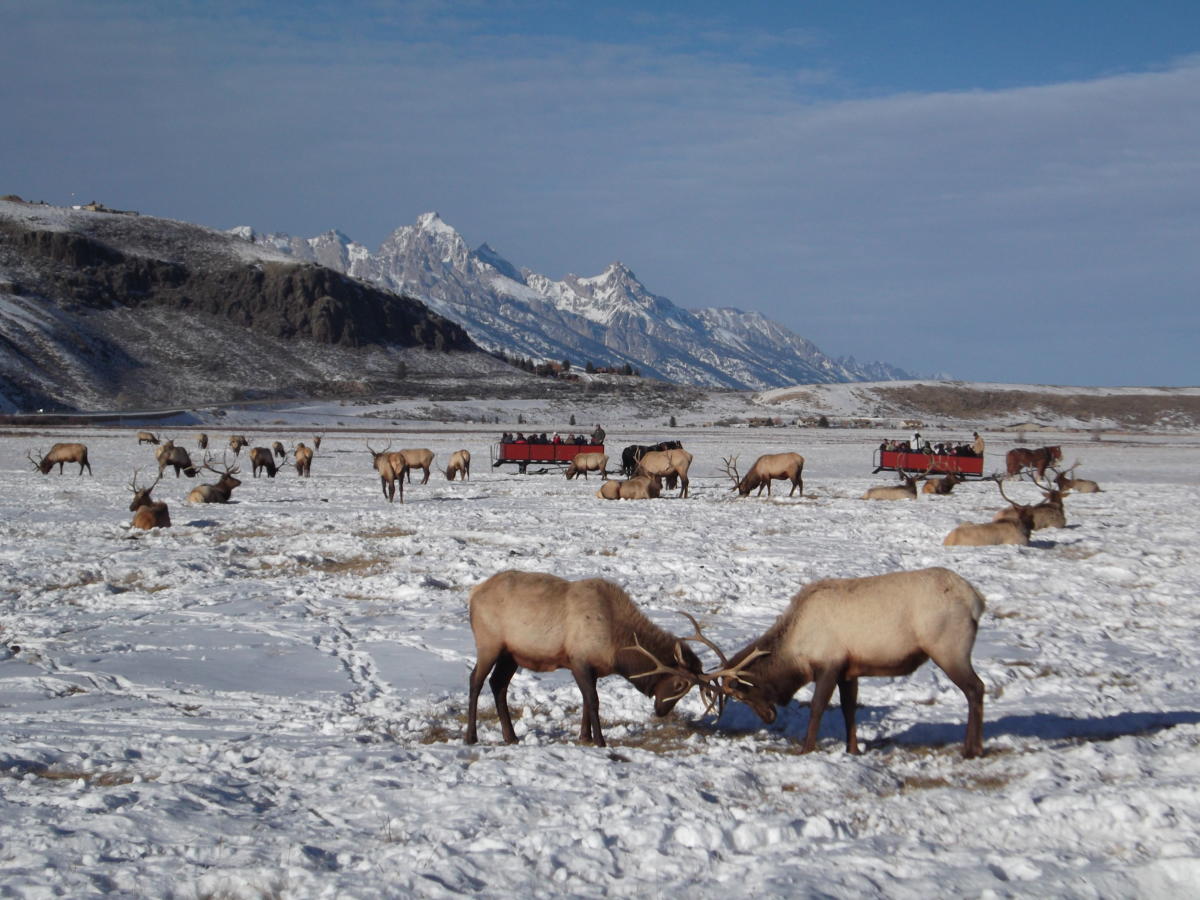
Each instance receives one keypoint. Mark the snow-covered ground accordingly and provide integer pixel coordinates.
(268, 698)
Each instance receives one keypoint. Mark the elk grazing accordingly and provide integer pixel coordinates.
(906, 491)
(417, 459)
(583, 463)
(640, 487)
(391, 469)
(1020, 458)
(667, 464)
(460, 464)
(1047, 514)
(279, 449)
(943, 485)
(167, 454)
(541, 622)
(317, 441)
(202, 441)
(262, 458)
(302, 458)
(237, 442)
(59, 455)
(146, 437)
(838, 630)
(147, 513)
(767, 468)
(1079, 485)
(219, 492)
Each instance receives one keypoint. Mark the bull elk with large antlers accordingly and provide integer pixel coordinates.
(841, 629)
(147, 513)
(1050, 513)
(1014, 530)
(59, 455)
(767, 468)
(219, 492)
(541, 622)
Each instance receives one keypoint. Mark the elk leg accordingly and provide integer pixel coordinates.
(683, 480)
(964, 677)
(848, 697)
(822, 690)
(589, 729)
(478, 675)
(506, 667)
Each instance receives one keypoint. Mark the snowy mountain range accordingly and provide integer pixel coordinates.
(610, 319)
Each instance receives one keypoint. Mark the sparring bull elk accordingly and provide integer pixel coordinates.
(767, 468)
(541, 622)
(59, 455)
(147, 513)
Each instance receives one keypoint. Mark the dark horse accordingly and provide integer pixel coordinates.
(1020, 458)
(633, 454)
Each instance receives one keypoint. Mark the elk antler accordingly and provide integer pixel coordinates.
(133, 485)
(732, 471)
(659, 668)
(375, 452)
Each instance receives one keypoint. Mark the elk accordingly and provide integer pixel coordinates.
(237, 442)
(59, 455)
(668, 464)
(168, 454)
(279, 450)
(767, 468)
(1021, 458)
(417, 459)
(583, 463)
(262, 458)
(640, 487)
(991, 534)
(1079, 485)
(219, 492)
(943, 485)
(541, 622)
(302, 457)
(1047, 514)
(202, 441)
(906, 491)
(147, 513)
(838, 630)
(391, 469)
(460, 464)
(317, 441)
(633, 454)
(146, 437)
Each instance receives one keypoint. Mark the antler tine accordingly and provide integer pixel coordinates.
(699, 638)
(731, 468)
(133, 485)
(659, 667)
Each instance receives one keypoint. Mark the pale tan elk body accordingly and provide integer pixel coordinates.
(147, 512)
(668, 465)
(990, 534)
(391, 469)
(943, 485)
(767, 468)
(302, 458)
(583, 463)
(839, 630)
(906, 491)
(237, 442)
(1065, 482)
(541, 622)
(147, 437)
(460, 465)
(219, 492)
(59, 455)
(1050, 513)
(417, 459)
(168, 454)
(639, 487)
(262, 459)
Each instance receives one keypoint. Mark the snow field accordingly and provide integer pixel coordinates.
(268, 699)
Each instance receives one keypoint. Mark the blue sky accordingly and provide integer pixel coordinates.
(1000, 191)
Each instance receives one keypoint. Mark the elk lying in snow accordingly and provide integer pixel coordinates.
(991, 534)
(1047, 514)
(460, 464)
(669, 465)
(417, 459)
(59, 455)
(279, 451)
(588, 462)
(168, 454)
(943, 485)
(767, 468)
(202, 441)
(1020, 458)
(147, 437)
(147, 513)
(237, 442)
(391, 469)
(262, 458)
(592, 627)
(906, 491)
(302, 458)
(639, 487)
(219, 492)
(1079, 485)
(841, 629)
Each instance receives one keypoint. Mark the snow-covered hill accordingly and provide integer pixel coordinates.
(611, 319)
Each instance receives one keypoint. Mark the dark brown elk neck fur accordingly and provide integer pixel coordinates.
(629, 663)
(749, 483)
(773, 676)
